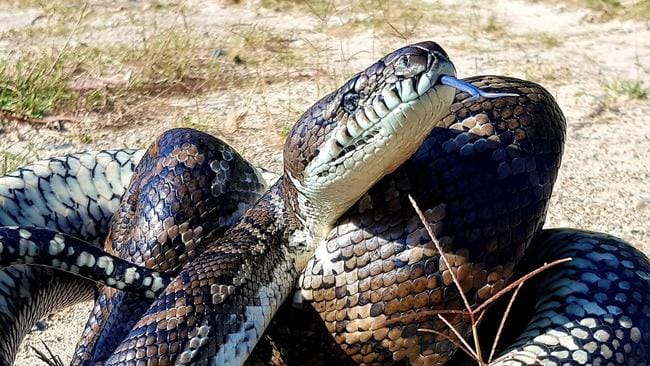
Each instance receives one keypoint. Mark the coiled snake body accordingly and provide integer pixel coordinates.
(483, 176)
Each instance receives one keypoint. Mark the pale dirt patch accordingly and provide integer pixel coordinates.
(603, 184)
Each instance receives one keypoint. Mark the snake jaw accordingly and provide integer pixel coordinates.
(366, 129)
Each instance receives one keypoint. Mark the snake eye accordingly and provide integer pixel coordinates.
(351, 102)
(410, 65)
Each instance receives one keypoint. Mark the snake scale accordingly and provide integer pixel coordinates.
(483, 174)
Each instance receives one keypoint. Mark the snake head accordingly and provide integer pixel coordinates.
(366, 129)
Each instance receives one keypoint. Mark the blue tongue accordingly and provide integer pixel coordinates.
(474, 91)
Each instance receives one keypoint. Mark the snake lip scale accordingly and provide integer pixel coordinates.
(200, 257)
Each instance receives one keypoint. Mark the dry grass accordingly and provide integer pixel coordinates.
(86, 78)
(399, 20)
(99, 78)
(628, 89)
(124, 82)
(10, 161)
(539, 71)
(166, 62)
(608, 9)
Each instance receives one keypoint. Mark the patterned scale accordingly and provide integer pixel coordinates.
(44, 247)
(221, 302)
(593, 310)
(61, 194)
(202, 187)
(199, 311)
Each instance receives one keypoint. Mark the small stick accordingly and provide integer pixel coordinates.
(457, 333)
(52, 360)
(67, 41)
(523, 279)
(6, 115)
(489, 302)
(427, 226)
(470, 312)
(476, 353)
(503, 322)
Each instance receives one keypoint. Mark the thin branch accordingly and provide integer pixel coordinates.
(461, 338)
(480, 317)
(523, 279)
(51, 359)
(504, 318)
(477, 344)
(472, 313)
(453, 341)
(10, 116)
(67, 41)
(435, 241)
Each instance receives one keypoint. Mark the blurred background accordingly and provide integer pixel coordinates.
(83, 75)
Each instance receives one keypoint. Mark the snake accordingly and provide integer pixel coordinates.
(483, 175)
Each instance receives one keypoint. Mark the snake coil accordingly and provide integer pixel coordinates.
(482, 172)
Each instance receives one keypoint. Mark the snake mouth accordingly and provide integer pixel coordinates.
(385, 114)
(396, 111)
(407, 101)
(380, 122)
(365, 130)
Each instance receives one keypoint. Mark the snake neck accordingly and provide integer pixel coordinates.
(294, 229)
(276, 220)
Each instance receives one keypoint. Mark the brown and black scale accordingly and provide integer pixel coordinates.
(201, 188)
(251, 265)
(484, 178)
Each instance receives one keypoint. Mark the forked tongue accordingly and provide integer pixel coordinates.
(474, 91)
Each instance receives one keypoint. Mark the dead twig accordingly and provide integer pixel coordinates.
(468, 307)
(521, 280)
(472, 353)
(453, 341)
(475, 315)
(9, 116)
(503, 322)
(82, 14)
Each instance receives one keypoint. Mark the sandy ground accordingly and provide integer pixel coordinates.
(603, 184)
